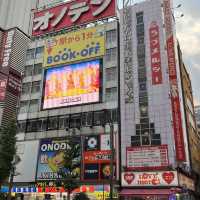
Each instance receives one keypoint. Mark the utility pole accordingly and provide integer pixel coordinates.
(112, 158)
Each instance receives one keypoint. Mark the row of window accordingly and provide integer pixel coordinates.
(139, 140)
(31, 70)
(88, 119)
(33, 105)
(32, 87)
(111, 37)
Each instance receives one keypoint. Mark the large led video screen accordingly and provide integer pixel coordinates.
(72, 84)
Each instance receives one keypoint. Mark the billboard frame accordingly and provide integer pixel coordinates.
(81, 104)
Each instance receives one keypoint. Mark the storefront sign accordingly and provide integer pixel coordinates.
(151, 179)
(14, 82)
(7, 48)
(51, 158)
(3, 85)
(92, 143)
(156, 69)
(74, 46)
(97, 156)
(146, 157)
(70, 14)
(175, 101)
(91, 171)
(186, 182)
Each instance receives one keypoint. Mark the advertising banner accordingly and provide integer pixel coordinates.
(74, 46)
(97, 156)
(150, 179)
(176, 109)
(3, 85)
(147, 157)
(70, 14)
(186, 182)
(73, 84)
(51, 158)
(92, 143)
(14, 82)
(156, 69)
(91, 171)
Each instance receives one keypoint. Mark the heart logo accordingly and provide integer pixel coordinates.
(129, 177)
(168, 177)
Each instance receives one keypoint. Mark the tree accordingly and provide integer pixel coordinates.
(7, 149)
(70, 172)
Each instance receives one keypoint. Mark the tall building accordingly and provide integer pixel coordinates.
(70, 88)
(155, 131)
(13, 45)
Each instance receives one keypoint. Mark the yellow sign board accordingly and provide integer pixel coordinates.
(74, 46)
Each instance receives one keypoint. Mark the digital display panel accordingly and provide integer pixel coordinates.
(72, 84)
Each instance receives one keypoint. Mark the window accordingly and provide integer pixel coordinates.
(28, 70)
(75, 121)
(99, 118)
(111, 74)
(37, 69)
(86, 119)
(39, 52)
(31, 126)
(111, 36)
(42, 124)
(63, 122)
(111, 54)
(139, 17)
(145, 140)
(111, 94)
(30, 54)
(26, 88)
(21, 126)
(115, 115)
(155, 139)
(52, 123)
(140, 30)
(24, 106)
(33, 105)
(35, 87)
(135, 140)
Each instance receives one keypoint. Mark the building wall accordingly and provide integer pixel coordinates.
(191, 126)
(30, 114)
(158, 95)
(15, 14)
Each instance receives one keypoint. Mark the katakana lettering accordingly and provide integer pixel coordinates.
(60, 16)
(77, 9)
(104, 4)
(43, 21)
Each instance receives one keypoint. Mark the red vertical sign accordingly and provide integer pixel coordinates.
(176, 110)
(3, 85)
(155, 54)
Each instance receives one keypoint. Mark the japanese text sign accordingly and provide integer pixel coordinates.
(150, 179)
(155, 54)
(147, 157)
(173, 80)
(74, 46)
(3, 85)
(70, 14)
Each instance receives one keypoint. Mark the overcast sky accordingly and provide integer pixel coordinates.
(188, 33)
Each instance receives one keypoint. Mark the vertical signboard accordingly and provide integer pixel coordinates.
(6, 50)
(176, 110)
(156, 69)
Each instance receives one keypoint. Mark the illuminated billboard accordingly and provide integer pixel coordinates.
(72, 84)
(74, 46)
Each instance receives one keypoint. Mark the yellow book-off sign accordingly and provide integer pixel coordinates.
(74, 46)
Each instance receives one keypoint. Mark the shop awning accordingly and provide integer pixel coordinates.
(145, 192)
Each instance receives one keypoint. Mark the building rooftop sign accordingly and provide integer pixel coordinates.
(70, 14)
